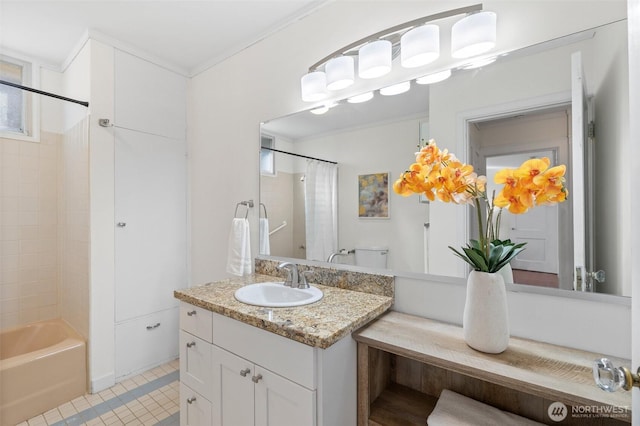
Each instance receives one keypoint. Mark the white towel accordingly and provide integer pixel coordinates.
(265, 246)
(239, 251)
(454, 409)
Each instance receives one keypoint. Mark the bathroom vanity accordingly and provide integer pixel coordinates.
(244, 365)
(404, 362)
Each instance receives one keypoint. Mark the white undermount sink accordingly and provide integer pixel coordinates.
(277, 295)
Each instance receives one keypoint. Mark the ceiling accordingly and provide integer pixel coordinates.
(186, 35)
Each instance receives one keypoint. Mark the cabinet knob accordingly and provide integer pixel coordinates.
(191, 400)
(257, 378)
(191, 313)
(244, 372)
(154, 326)
(191, 344)
(610, 378)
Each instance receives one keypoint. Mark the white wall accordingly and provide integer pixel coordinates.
(611, 90)
(402, 233)
(228, 101)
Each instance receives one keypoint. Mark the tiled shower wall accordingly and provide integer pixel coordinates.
(44, 229)
(29, 230)
(73, 228)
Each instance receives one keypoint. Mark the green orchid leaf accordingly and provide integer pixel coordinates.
(478, 259)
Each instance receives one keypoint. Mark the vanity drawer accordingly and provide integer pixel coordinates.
(145, 342)
(196, 321)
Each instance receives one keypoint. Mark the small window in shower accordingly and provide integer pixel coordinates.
(16, 105)
(267, 157)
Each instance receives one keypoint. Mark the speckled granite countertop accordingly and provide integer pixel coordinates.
(319, 324)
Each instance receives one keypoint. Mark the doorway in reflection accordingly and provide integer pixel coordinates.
(506, 143)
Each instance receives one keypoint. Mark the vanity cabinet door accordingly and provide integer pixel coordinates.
(281, 402)
(233, 400)
(195, 410)
(195, 364)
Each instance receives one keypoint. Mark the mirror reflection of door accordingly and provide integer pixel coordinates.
(538, 228)
(507, 142)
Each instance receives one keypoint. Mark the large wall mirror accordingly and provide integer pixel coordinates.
(492, 116)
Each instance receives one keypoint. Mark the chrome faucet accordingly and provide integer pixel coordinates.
(292, 277)
(342, 252)
(304, 281)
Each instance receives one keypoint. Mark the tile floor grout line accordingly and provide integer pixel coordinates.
(120, 400)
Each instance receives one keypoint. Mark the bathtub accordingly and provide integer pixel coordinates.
(42, 365)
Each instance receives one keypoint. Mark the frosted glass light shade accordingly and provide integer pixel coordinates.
(474, 34)
(340, 72)
(320, 110)
(314, 86)
(374, 59)
(434, 78)
(420, 46)
(358, 99)
(396, 89)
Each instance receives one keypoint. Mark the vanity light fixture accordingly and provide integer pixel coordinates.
(320, 110)
(479, 63)
(417, 42)
(434, 78)
(358, 99)
(420, 46)
(473, 35)
(324, 108)
(396, 89)
(340, 72)
(374, 59)
(314, 86)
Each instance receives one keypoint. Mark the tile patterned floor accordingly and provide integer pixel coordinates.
(150, 398)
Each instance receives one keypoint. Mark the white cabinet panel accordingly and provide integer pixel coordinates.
(146, 342)
(232, 401)
(280, 402)
(195, 364)
(151, 222)
(149, 98)
(195, 410)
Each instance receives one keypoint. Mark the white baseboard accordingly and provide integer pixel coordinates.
(102, 383)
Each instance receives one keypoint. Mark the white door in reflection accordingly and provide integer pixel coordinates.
(538, 227)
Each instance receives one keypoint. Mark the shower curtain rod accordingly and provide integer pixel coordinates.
(299, 155)
(40, 92)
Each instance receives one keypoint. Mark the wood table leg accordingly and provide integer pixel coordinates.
(363, 384)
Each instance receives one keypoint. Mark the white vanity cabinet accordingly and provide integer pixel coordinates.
(236, 374)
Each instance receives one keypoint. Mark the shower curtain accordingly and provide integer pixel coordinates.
(321, 209)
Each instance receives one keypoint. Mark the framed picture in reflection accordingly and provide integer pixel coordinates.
(373, 196)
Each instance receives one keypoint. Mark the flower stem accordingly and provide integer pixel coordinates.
(481, 231)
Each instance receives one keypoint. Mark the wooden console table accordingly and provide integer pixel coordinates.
(404, 362)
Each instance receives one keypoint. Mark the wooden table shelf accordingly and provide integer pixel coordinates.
(400, 405)
(426, 356)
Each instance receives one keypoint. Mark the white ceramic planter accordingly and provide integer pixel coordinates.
(486, 320)
(507, 273)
